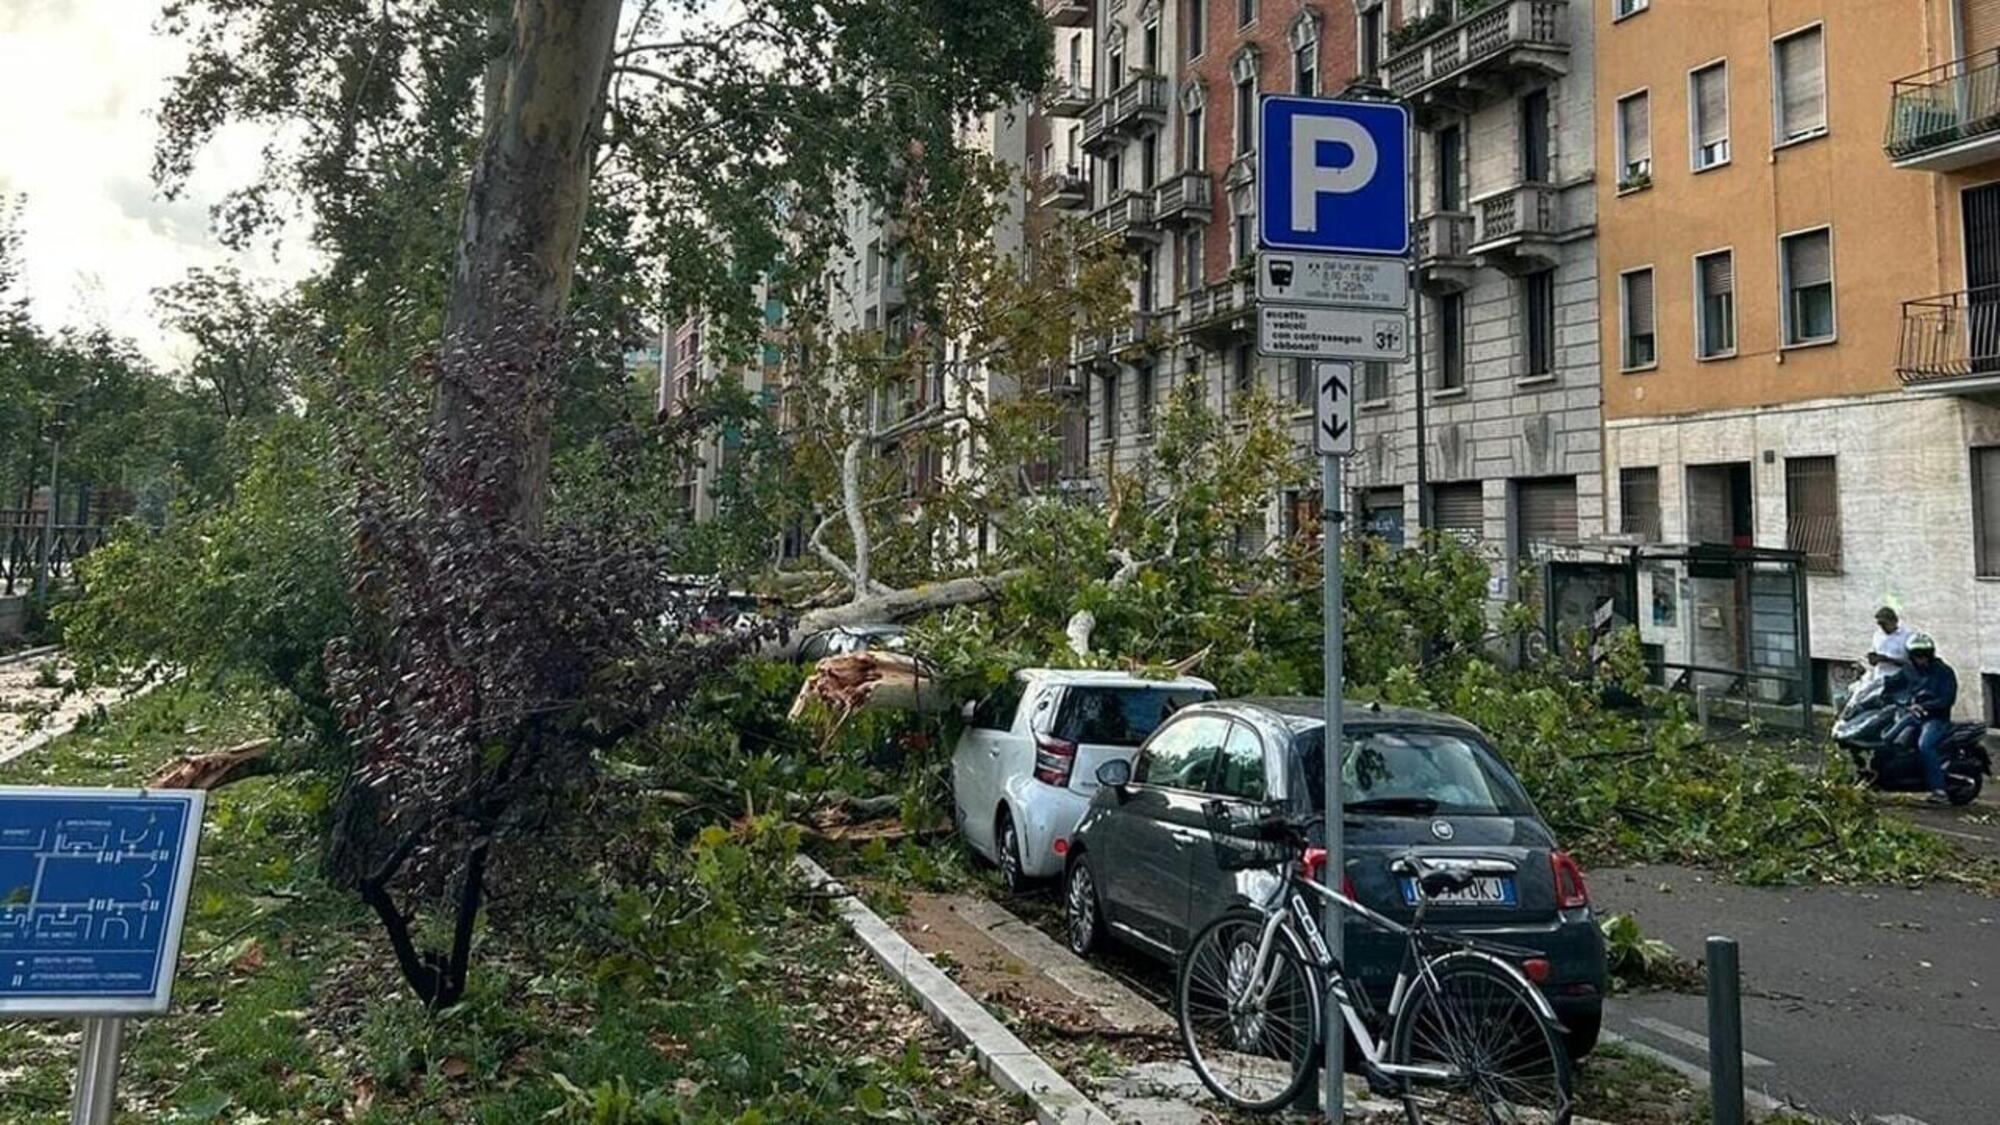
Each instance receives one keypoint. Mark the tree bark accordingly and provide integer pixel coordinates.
(896, 605)
(518, 241)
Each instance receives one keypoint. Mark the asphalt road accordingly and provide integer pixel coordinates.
(1860, 1003)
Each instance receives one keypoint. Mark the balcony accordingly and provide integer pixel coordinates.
(1219, 313)
(1518, 228)
(1951, 343)
(1097, 137)
(1500, 46)
(1443, 247)
(1066, 13)
(1128, 217)
(1946, 118)
(1184, 200)
(1067, 190)
(1129, 111)
(1069, 97)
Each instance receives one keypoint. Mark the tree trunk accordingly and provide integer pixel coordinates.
(896, 605)
(518, 241)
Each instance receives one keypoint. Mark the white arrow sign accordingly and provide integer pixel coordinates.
(1333, 428)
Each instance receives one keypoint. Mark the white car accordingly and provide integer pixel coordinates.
(1025, 767)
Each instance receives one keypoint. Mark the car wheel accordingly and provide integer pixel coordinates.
(1008, 844)
(1580, 1032)
(1083, 924)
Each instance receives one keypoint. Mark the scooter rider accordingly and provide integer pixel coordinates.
(1890, 650)
(1930, 689)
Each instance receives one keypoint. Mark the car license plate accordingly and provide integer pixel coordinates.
(1485, 890)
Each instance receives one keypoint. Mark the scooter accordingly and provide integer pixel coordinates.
(1862, 729)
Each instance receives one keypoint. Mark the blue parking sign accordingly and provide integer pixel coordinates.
(1333, 176)
(93, 890)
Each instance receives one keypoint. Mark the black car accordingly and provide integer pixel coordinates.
(1142, 864)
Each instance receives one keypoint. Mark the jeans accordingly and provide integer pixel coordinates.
(1930, 734)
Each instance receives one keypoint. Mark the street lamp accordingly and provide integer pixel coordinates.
(47, 547)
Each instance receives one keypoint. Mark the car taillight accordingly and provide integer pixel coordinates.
(1314, 862)
(1055, 759)
(1536, 969)
(1570, 891)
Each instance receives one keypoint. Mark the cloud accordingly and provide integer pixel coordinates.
(78, 83)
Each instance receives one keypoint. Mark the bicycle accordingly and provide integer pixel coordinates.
(1466, 1036)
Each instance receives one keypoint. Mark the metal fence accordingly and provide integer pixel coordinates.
(1950, 336)
(22, 534)
(1944, 105)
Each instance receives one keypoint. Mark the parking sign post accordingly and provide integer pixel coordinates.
(1333, 219)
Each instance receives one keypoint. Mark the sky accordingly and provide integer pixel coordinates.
(79, 82)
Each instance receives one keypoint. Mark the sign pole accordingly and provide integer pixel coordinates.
(1333, 513)
(97, 1071)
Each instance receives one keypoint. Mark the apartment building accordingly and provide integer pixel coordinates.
(690, 361)
(1802, 339)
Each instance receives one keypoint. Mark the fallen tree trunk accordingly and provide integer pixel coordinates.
(215, 770)
(874, 678)
(900, 605)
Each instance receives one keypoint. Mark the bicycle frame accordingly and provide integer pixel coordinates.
(1284, 904)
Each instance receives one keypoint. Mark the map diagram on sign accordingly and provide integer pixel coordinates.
(91, 891)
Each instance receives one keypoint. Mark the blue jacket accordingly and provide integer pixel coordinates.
(1934, 692)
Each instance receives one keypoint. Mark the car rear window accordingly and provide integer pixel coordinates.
(1119, 716)
(1415, 772)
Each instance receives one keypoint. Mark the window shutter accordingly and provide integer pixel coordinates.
(1718, 275)
(1459, 507)
(1986, 508)
(1639, 303)
(1546, 511)
(1808, 260)
(1712, 104)
(1803, 85)
(1636, 126)
(1982, 25)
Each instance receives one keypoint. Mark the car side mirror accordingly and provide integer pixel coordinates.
(1115, 774)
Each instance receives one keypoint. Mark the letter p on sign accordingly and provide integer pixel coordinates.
(1333, 176)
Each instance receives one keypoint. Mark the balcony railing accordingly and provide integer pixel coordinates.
(1524, 211)
(1095, 131)
(1128, 216)
(1443, 236)
(1213, 308)
(1140, 102)
(1069, 97)
(1066, 13)
(1188, 197)
(1951, 340)
(1065, 190)
(1496, 33)
(1939, 119)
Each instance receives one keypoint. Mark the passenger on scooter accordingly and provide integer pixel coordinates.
(1890, 652)
(1929, 688)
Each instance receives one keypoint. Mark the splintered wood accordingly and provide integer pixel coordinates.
(858, 681)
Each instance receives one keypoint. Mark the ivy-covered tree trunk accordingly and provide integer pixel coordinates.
(522, 224)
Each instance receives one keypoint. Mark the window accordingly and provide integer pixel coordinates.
(1450, 154)
(1708, 115)
(1114, 69)
(1076, 61)
(1371, 39)
(874, 259)
(1118, 716)
(1148, 281)
(1114, 176)
(1635, 141)
(1986, 510)
(1305, 56)
(1451, 774)
(1194, 147)
(1246, 111)
(1149, 47)
(996, 711)
(1242, 772)
(1715, 304)
(1149, 160)
(1108, 383)
(1182, 755)
(1244, 207)
(1538, 314)
(1535, 137)
(1191, 269)
(1197, 38)
(1451, 341)
(1807, 261)
(1639, 504)
(1798, 65)
(1374, 380)
(1303, 389)
(1638, 305)
(1812, 512)
(1243, 368)
(1142, 393)
(1459, 508)
(1622, 8)
(1246, 11)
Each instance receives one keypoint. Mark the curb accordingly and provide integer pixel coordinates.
(28, 654)
(1758, 1103)
(1010, 1063)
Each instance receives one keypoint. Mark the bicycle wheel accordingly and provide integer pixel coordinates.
(1252, 1042)
(1479, 1023)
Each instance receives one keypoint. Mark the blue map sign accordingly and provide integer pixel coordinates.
(1333, 176)
(93, 890)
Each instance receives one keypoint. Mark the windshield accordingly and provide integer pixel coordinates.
(1415, 773)
(1119, 716)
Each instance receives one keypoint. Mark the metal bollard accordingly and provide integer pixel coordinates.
(1725, 1031)
(1701, 707)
